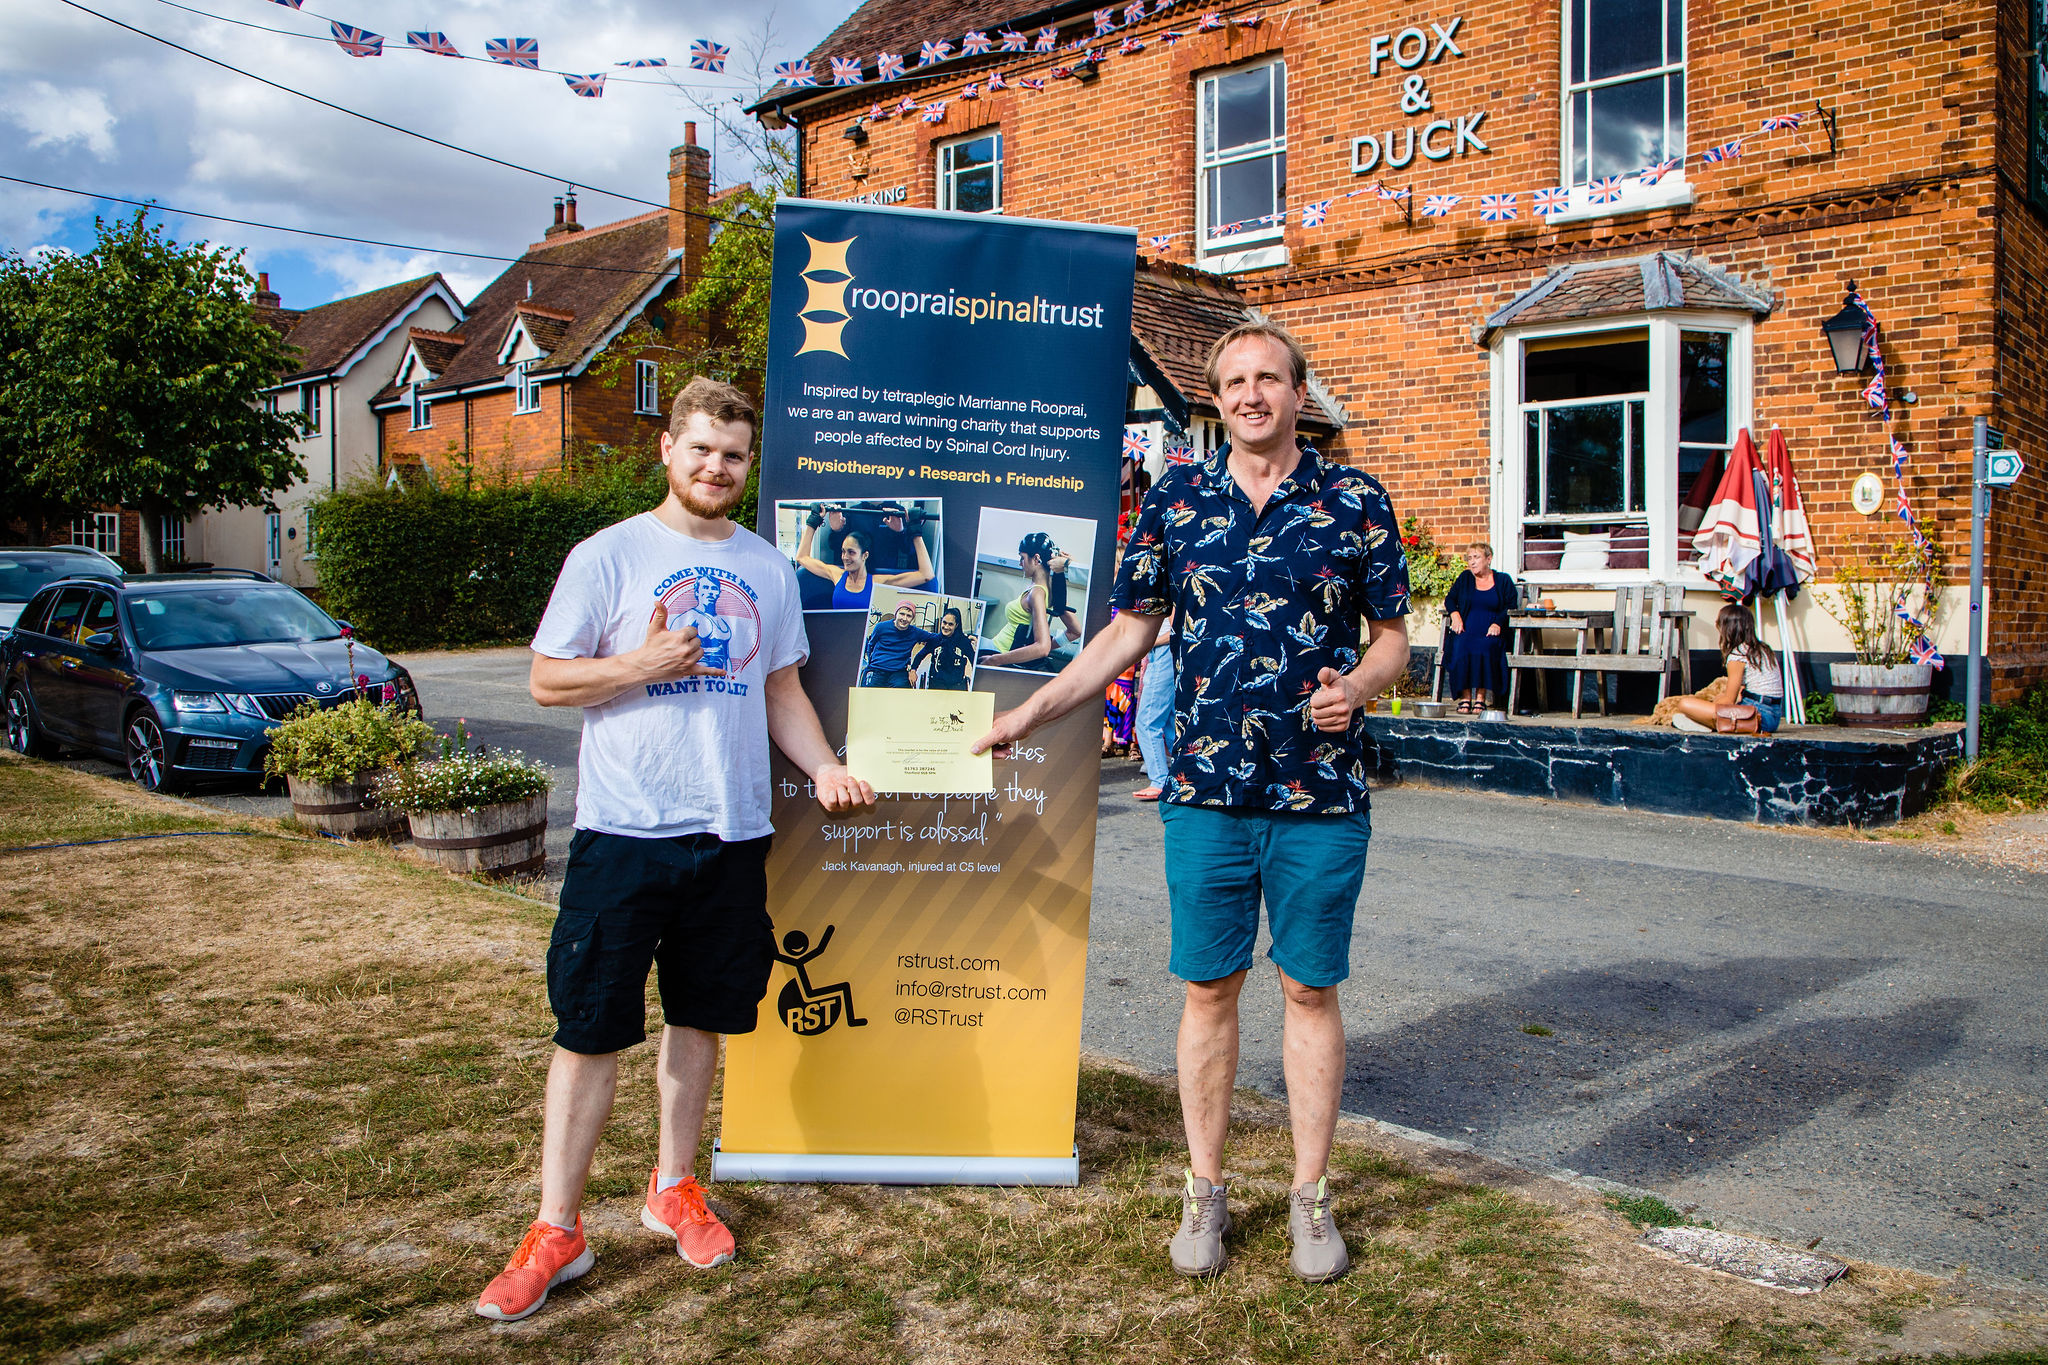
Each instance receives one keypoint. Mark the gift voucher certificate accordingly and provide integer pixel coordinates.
(903, 740)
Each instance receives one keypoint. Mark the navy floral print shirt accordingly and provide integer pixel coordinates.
(1261, 602)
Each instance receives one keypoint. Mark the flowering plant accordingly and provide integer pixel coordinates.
(1429, 578)
(339, 744)
(464, 778)
(1878, 605)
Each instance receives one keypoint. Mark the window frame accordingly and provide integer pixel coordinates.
(421, 410)
(944, 176)
(1672, 189)
(1668, 560)
(311, 406)
(647, 388)
(1261, 247)
(172, 535)
(312, 550)
(525, 389)
(104, 533)
(273, 538)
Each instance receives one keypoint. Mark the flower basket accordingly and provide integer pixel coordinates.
(332, 758)
(474, 811)
(1880, 694)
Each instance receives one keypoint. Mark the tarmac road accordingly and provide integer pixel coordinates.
(1810, 1036)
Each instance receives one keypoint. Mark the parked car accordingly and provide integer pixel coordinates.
(178, 675)
(26, 570)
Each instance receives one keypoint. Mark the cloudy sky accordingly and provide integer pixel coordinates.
(89, 106)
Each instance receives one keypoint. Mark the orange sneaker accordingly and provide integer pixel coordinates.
(680, 1212)
(547, 1256)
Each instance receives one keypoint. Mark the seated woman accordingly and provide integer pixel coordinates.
(950, 655)
(1754, 677)
(853, 587)
(1476, 616)
(1024, 639)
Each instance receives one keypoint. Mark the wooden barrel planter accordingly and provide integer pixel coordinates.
(1881, 694)
(345, 808)
(505, 840)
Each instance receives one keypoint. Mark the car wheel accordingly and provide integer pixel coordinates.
(24, 732)
(148, 756)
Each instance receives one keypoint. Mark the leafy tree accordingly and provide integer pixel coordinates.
(141, 388)
(21, 502)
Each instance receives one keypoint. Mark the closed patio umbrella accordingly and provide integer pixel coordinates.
(1730, 538)
(1785, 558)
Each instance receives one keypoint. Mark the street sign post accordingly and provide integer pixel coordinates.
(1992, 466)
(2002, 468)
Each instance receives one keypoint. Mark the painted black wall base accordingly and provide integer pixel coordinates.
(1812, 776)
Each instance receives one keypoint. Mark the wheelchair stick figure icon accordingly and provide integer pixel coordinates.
(805, 1008)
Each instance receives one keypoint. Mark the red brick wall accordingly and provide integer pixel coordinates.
(1910, 207)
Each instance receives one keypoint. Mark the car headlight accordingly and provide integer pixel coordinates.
(246, 705)
(196, 701)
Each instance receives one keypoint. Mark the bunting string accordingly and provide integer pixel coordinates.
(1878, 395)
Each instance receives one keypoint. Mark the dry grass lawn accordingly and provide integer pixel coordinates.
(273, 1099)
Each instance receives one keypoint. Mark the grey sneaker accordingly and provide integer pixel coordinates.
(1197, 1249)
(1319, 1252)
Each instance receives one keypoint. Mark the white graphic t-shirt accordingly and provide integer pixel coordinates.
(689, 756)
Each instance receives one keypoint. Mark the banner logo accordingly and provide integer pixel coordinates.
(824, 312)
(805, 1008)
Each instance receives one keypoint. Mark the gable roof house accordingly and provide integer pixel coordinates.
(510, 386)
(344, 352)
(1549, 260)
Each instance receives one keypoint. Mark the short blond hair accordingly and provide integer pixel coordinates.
(719, 402)
(1296, 357)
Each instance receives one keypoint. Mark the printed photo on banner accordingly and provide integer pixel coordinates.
(1031, 574)
(842, 548)
(919, 640)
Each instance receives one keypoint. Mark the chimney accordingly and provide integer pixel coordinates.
(569, 203)
(565, 216)
(264, 298)
(689, 202)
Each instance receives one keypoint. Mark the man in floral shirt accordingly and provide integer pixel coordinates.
(1267, 557)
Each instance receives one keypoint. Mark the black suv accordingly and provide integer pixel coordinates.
(179, 676)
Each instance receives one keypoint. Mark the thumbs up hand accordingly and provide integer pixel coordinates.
(1331, 705)
(671, 654)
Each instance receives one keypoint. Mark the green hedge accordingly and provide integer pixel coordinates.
(423, 566)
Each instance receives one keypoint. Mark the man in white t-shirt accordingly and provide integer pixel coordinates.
(679, 634)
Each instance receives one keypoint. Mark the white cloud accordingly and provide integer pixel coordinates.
(53, 117)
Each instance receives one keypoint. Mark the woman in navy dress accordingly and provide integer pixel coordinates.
(1476, 616)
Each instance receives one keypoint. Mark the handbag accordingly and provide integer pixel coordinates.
(1739, 719)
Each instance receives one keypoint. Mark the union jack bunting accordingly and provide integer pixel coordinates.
(972, 92)
(436, 43)
(1134, 11)
(1727, 151)
(1650, 175)
(888, 65)
(846, 71)
(908, 107)
(1497, 208)
(1772, 125)
(930, 52)
(1605, 190)
(1160, 243)
(1252, 20)
(975, 43)
(878, 112)
(1179, 452)
(523, 53)
(1105, 20)
(1551, 201)
(1013, 41)
(1210, 21)
(1171, 36)
(1060, 73)
(935, 113)
(1440, 205)
(288, 4)
(590, 87)
(1136, 447)
(644, 61)
(1312, 215)
(1874, 393)
(1226, 230)
(1386, 193)
(356, 42)
(1032, 83)
(997, 82)
(1048, 39)
(1128, 46)
(1922, 651)
(706, 55)
(797, 72)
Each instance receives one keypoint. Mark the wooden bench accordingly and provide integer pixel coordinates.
(1643, 634)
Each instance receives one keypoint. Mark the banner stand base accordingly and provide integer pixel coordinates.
(813, 1168)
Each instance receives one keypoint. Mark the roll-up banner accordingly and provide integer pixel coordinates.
(939, 460)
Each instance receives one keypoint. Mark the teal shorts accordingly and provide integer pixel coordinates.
(1220, 862)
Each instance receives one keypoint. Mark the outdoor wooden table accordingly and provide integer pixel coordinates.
(1582, 624)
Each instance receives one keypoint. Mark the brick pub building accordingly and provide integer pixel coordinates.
(1527, 380)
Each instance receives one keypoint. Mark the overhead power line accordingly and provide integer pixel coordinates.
(154, 205)
(381, 123)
